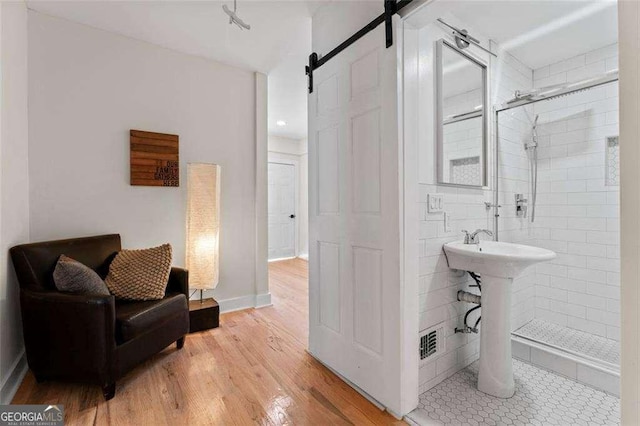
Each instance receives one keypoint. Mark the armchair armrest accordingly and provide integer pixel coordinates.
(68, 335)
(178, 281)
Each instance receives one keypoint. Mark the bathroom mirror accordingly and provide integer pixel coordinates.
(461, 117)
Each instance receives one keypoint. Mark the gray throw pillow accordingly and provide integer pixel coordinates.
(74, 277)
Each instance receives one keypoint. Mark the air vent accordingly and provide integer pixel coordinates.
(431, 343)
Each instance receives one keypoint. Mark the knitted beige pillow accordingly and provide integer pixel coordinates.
(140, 274)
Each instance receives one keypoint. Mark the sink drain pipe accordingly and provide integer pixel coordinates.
(465, 296)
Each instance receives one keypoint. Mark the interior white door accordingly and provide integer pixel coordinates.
(282, 210)
(354, 215)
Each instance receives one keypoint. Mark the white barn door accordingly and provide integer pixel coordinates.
(355, 218)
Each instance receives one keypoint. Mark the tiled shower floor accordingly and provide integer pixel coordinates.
(572, 340)
(541, 398)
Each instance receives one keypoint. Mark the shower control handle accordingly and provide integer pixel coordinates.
(521, 205)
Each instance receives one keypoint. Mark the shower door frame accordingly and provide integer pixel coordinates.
(570, 89)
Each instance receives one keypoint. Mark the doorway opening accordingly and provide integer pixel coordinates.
(287, 165)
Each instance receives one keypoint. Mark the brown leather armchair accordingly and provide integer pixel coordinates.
(91, 338)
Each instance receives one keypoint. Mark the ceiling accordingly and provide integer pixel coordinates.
(537, 32)
(288, 96)
(278, 43)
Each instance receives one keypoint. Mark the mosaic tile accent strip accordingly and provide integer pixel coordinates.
(613, 161)
(466, 171)
(572, 340)
(541, 398)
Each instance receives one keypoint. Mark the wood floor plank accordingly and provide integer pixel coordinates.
(253, 370)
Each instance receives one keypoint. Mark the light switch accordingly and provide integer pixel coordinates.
(435, 203)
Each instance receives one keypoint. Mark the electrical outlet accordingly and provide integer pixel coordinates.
(434, 203)
(447, 222)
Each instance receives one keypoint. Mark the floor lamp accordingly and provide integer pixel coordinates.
(203, 241)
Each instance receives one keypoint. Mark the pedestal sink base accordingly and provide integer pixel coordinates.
(495, 376)
(498, 263)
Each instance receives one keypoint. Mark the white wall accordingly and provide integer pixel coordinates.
(335, 22)
(288, 146)
(629, 39)
(303, 203)
(14, 188)
(87, 88)
(577, 214)
(295, 152)
(263, 297)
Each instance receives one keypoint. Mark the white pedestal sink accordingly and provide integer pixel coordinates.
(498, 263)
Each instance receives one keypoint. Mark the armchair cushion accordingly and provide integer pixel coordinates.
(140, 274)
(178, 281)
(73, 277)
(134, 318)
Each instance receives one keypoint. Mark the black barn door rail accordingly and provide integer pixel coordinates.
(391, 7)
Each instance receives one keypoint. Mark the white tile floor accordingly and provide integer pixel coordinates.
(541, 398)
(572, 340)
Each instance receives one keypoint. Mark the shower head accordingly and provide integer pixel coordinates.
(534, 136)
(522, 97)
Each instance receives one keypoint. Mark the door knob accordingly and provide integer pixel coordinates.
(292, 216)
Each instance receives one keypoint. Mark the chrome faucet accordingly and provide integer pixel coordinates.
(472, 238)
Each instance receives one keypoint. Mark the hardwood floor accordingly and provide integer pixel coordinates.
(254, 369)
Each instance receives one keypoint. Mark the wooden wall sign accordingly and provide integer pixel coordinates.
(154, 159)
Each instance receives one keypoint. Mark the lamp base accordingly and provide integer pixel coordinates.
(203, 315)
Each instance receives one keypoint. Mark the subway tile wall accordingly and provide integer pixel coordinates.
(578, 213)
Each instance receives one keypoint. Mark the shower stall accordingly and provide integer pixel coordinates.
(565, 157)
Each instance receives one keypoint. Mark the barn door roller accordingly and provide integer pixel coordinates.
(391, 7)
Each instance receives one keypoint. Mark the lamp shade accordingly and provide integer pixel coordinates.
(203, 225)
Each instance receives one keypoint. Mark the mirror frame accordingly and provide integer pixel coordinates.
(440, 45)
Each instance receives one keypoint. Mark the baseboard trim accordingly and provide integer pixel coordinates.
(304, 256)
(278, 259)
(263, 300)
(14, 379)
(244, 302)
(237, 304)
